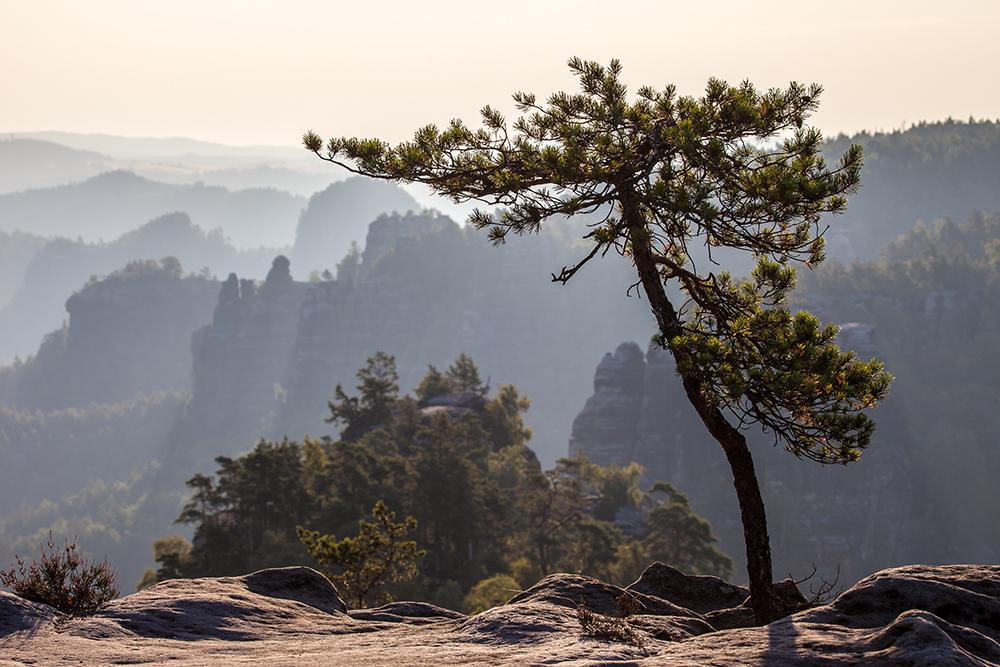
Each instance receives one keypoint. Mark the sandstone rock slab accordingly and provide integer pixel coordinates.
(916, 615)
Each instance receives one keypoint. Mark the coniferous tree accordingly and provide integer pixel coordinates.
(431, 386)
(667, 175)
(379, 390)
(463, 375)
(377, 556)
(683, 539)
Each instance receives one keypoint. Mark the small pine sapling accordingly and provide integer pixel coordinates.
(377, 556)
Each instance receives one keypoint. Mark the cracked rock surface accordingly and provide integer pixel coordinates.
(915, 615)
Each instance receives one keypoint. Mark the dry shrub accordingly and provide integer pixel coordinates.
(63, 580)
(608, 627)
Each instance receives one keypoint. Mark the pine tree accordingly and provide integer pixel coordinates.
(675, 179)
(377, 556)
(379, 389)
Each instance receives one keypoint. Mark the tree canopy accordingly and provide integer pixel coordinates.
(674, 179)
(480, 503)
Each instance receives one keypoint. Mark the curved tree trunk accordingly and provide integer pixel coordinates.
(766, 604)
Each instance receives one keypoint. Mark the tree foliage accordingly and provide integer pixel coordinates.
(378, 391)
(928, 171)
(482, 507)
(366, 563)
(680, 537)
(490, 593)
(676, 179)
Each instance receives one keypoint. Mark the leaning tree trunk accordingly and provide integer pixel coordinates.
(766, 604)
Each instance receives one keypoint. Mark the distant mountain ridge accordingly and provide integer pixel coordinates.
(32, 160)
(143, 147)
(32, 163)
(341, 214)
(54, 269)
(45, 270)
(110, 204)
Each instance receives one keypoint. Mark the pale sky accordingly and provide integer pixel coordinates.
(244, 72)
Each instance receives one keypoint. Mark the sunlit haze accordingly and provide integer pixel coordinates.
(253, 72)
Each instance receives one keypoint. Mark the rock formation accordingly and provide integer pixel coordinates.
(127, 333)
(242, 357)
(423, 290)
(854, 518)
(914, 615)
(60, 266)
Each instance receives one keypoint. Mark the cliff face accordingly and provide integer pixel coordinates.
(241, 356)
(126, 333)
(424, 290)
(273, 353)
(265, 357)
(59, 266)
(859, 517)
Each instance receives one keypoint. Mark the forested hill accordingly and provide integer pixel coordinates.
(925, 489)
(424, 290)
(27, 163)
(932, 170)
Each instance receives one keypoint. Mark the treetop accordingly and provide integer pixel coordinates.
(699, 167)
(671, 179)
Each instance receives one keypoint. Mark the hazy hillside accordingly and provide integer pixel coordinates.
(40, 274)
(106, 206)
(32, 163)
(340, 215)
(33, 160)
(424, 290)
(17, 249)
(265, 355)
(130, 333)
(146, 148)
(54, 269)
(930, 171)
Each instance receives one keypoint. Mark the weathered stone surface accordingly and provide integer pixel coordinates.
(262, 604)
(571, 590)
(916, 615)
(22, 616)
(296, 583)
(962, 595)
(699, 593)
(414, 613)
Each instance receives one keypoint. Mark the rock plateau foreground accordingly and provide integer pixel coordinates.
(916, 615)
